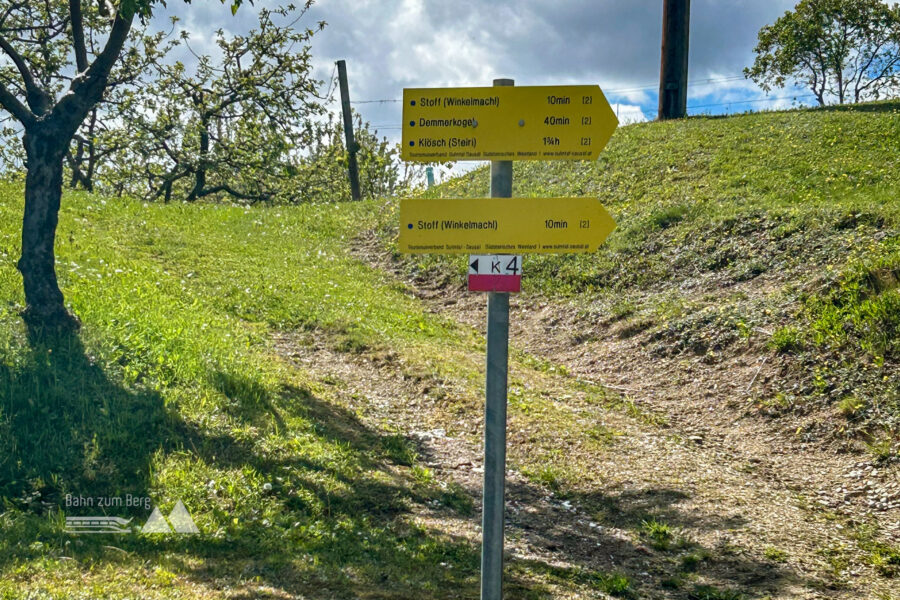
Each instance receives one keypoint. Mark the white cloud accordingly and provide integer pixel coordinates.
(629, 113)
(392, 44)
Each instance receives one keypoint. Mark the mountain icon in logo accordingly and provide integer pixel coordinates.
(180, 519)
(156, 523)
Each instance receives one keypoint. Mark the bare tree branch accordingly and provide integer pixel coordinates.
(12, 105)
(87, 88)
(38, 100)
(77, 19)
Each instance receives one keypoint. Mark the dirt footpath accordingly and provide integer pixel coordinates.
(686, 487)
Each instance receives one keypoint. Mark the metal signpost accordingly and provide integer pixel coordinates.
(501, 124)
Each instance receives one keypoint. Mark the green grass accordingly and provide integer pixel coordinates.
(602, 433)
(884, 557)
(775, 554)
(779, 229)
(692, 561)
(173, 388)
(550, 476)
(660, 534)
(172, 391)
(614, 584)
(786, 339)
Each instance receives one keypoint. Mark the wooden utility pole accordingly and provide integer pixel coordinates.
(352, 166)
(673, 72)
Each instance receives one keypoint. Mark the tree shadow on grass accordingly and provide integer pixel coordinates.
(66, 428)
(344, 529)
(340, 523)
(248, 399)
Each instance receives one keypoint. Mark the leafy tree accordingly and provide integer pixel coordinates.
(247, 125)
(103, 132)
(323, 169)
(54, 76)
(846, 49)
(229, 127)
(381, 172)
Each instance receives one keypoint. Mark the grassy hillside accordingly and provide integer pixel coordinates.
(181, 385)
(779, 228)
(171, 392)
(320, 417)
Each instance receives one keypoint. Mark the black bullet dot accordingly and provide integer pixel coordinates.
(412, 123)
(412, 103)
(409, 226)
(412, 143)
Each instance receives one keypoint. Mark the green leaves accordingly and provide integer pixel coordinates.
(843, 49)
(231, 126)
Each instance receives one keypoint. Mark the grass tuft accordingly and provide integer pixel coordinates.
(775, 554)
(660, 534)
(787, 340)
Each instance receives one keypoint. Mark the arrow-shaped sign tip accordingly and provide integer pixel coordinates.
(474, 265)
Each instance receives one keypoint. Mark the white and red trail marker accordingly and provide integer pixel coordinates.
(495, 273)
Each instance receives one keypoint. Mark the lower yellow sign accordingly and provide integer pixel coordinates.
(503, 225)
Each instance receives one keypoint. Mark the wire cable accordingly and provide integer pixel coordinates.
(386, 126)
(751, 101)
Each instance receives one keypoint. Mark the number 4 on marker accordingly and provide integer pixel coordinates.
(513, 266)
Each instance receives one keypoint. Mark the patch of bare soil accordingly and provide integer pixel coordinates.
(754, 506)
(714, 403)
(388, 395)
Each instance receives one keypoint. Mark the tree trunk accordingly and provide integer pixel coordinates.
(78, 176)
(43, 190)
(202, 162)
(840, 81)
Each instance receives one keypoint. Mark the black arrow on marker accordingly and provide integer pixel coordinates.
(474, 265)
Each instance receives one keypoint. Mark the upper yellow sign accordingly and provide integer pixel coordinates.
(561, 122)
(502, 225)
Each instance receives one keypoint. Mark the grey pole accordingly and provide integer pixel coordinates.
(495, 412)
(352, 167)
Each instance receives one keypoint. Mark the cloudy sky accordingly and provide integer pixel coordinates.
(392, 44)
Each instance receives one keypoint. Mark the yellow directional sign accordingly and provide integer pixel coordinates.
(503, 225)
(566, 122)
